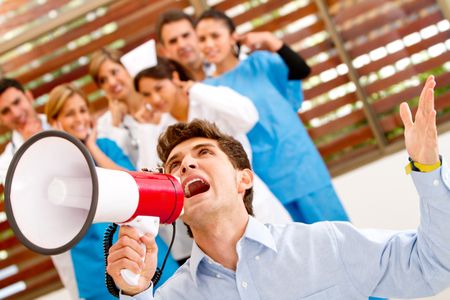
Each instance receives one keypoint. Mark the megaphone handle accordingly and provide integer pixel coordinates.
(143, 224)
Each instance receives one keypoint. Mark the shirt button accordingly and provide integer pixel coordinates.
(435, 182)
(218, 276)
(210, 261)
(257, 257)
(244, 284)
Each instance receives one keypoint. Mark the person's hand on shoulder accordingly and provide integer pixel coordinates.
(127, 253)
(264, 40)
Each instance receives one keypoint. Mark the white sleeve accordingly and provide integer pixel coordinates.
(239, 111)
(5, 160)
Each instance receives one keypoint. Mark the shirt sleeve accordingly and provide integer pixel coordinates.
(403, 264)
(236, 110)
(298, 68)
(116, 154)
(5, 160)
(145, 295)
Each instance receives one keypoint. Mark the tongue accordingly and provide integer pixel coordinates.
(197, 187)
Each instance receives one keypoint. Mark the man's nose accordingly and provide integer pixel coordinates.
(188, 164)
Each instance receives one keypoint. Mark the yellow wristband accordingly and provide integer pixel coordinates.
(418, 167)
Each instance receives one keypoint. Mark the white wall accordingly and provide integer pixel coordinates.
(381, 195)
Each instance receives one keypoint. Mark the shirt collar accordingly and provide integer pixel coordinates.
(255, 231)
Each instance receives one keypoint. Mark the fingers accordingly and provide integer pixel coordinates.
(405, 114)
(426, 100)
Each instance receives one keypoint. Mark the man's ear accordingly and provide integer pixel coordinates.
(245, 180)
(29, 96)
(161, 50)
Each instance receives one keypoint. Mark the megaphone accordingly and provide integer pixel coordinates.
(54, 192)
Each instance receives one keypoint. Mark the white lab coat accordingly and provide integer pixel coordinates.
(235, 115)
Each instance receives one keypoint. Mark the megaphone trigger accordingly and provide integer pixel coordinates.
(143, 224)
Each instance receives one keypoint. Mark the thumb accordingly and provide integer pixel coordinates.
(406, 116)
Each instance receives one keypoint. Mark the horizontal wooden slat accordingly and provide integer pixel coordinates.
(326, 87)
(6, 6)
(405, 53)
(227, 4)
(285, 20)
(259, 10)
(324, 46)
(304, 33)
(17, 254)
(353, 11)
(30, 15)
(408, 73)
(332, 62)
(132, 24)
(39, 285)
(29, 269)
(327, 107)
(116, 12)
(337, 124)
(385, 17)
(355, 137)
(399, 33)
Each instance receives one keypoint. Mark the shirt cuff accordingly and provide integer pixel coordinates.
(434, 183)
(145, 295)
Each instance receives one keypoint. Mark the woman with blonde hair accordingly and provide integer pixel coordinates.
(67, 109)
(128, 121)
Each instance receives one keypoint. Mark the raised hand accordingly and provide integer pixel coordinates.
(260, 41)
(421, 135)
(147, 115)
(184, 85)
(126, 253)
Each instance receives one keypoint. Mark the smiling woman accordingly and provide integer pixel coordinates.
(67, 109)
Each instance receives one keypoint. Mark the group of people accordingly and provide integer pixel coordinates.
(253, 103)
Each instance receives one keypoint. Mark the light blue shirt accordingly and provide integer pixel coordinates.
(328, 260)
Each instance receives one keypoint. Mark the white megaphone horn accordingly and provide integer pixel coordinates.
(54, 192)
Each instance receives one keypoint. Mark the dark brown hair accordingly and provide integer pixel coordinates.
(6, 83)
(171, 16)
(220, 16)
(163, 70)
(233, 149)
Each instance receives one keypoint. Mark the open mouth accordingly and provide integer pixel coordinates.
(195, 186)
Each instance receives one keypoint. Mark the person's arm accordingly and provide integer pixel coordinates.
(414, 263)
(298, 68)
(239, 112)
(99, 156)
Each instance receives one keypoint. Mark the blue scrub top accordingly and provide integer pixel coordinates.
(284, 155)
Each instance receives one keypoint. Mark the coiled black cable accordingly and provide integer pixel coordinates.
(107, 243)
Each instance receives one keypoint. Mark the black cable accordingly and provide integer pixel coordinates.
(107, 243)
(158, 273)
